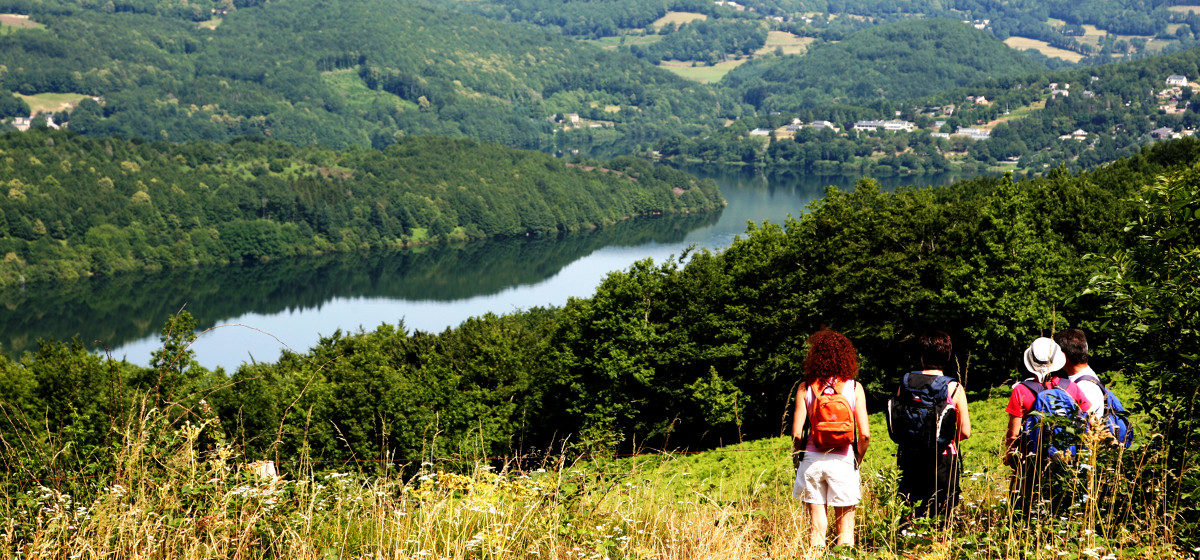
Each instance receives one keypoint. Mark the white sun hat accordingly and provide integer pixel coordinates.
(1043, 357)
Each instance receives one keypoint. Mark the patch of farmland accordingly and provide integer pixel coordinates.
(789, 43)
(52, 102)
(1022, 43)
(678, 18)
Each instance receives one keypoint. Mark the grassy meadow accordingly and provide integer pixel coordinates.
(787, 42)
(51, 102)
(1022, 43)
(175, 489)
(10, 23)
(702, 73)
(358, 95)
(677, 18)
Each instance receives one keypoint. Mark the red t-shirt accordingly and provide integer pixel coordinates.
(1022, 398)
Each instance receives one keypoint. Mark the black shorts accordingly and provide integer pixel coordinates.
(929, 480)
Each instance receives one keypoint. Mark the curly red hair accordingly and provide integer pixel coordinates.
(830, 356)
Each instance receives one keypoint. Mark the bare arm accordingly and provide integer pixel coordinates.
(963, 413)
(1014, 430)
(799, 418)
(860, 418)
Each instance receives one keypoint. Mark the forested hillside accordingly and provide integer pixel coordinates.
(355, 73)
(686, 354)
(893, 62)
(77, 206)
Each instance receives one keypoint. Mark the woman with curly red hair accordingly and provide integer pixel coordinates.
(830, 410)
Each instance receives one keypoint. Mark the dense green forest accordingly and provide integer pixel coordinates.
(77, 206)
(895, 62)
(357, 73)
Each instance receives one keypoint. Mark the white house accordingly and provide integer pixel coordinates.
(1177, 80)
(894, 125)
(974, 133)
(824, 124)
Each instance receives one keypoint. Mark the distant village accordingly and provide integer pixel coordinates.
(1172, 98)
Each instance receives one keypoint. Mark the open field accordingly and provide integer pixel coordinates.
(1015, 114)
(678, 18)
(1184, 9)
(210, 24)
(20, 21)
(1022, 43)
(11, 23)
(51, 102)
(702, 74)
(791, 44)
(358, 94)
(624, 40)
(1092, 35)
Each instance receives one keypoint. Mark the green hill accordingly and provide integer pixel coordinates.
(76, 206)
(355, 73)
(892, 62)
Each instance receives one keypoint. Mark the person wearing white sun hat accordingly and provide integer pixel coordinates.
(1041, 360)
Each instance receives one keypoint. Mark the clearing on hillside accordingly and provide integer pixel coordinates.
(10, 23)
(19, 20)
(52, 102)
(791, 44)
(210, 24)
(1022, 43)
(1184, 9)
(1092, 34)
(1018, 113)
(699, 73)
(358, 95)
(624, 40)
(678, 18)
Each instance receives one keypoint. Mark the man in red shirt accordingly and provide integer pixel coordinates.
(1041, 360)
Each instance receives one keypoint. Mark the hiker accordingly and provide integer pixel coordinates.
(1075, 348)
(831, 434)
(927, 419)
(1030, 464)
(1104, 408)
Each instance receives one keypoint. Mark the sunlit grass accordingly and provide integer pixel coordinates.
(358, 95)
(51, 102)
(677, 18)
(700, 72)
(174, 493)
(1022, 43)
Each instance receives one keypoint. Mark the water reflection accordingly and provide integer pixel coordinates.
(110, 312)
(291, 302)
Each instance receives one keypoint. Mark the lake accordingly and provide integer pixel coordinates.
(250, 312)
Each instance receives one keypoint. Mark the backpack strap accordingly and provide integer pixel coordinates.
(1033, 386)
(1093, 379)
(940, 385)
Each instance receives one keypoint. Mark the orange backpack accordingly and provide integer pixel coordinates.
(831, 420)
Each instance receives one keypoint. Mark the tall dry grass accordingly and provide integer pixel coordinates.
(176, 491)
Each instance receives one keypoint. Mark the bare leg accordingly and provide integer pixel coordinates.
(844, 518)
(818, 525)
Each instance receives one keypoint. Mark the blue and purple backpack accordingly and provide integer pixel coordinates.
(1116, 418)
(1054, 425)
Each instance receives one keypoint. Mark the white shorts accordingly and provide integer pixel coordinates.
(827, 480)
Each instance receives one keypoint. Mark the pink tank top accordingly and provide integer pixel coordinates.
(845, 452)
